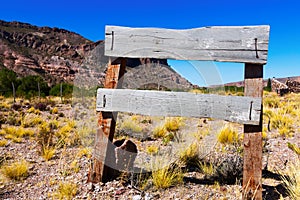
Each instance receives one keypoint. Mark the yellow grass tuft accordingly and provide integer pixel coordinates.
(206, 168)
(131, 125)
(66, 190)
(228, 135)
(190, 155)
(54, 110)
(152, 149)
(173, 123)
(159, 131)
(166, 177)
(16, 171)
(48, 153)
(292, 179)
(3, 143)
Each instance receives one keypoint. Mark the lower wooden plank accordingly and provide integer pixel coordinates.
(244, 110)
(252, 173)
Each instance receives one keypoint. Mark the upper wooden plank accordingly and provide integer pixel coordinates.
(244, 110)
(244, 44)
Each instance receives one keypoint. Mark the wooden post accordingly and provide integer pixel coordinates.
(99, 170)
(252, 174)
(14, 91)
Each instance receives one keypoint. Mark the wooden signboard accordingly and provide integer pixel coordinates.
(244, 44)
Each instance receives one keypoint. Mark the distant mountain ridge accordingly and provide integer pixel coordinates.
(58, 55)
(283, 80)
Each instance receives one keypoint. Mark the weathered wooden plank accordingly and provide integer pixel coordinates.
(103, 155)
(221, 43)
(244, 110)
(252, 173)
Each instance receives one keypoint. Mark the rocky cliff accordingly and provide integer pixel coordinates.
(58, 55)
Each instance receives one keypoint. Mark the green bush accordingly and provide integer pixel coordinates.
(28, 87)
(67, 90)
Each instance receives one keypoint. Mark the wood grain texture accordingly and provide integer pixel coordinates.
(102, 168)
(221, 43)
(244, 110)
(252, 173)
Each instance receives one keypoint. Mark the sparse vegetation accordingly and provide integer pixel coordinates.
(131, 125)
(66, 190)
(190, 155)
(291, 179)
(152, 149)
(167, 177)
(228, 135)
(3, 143)
(159, 131)
(16, 170)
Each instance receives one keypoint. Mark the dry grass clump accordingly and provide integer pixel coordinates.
(282, 122)
(66, 190)
(190, 155)
(159, 131)
(3, 143)
(131, 125)
(87, 152)
(173, 123)
(228, 135)
(16, 170)
(271, 101)
(167, 177)
(152, 149)
(206, 168)
(294, 148)
(48, 152)
(292, 180)
(16, 133)
(31, 120)
(54, 110)
(34, 111)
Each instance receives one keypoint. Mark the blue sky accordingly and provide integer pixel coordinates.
(88, 18)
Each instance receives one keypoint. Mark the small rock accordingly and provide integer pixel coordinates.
(148, 196)
(137, 197)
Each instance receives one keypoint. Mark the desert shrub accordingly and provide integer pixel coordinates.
(292, 179)
(54, 110)
(131, 125)
(7, 77)
(294, 148)
(206, 168)
(271, 101)
(190, 155)
(283, 123)
(28, 87)
(3, 143)
(41, 106)
(14, 119)
(152, 149)
(48, 152)
(66, 190)
(159, 131)
(45, 136)
(16, 170)
(168, 138)
(34, 111)
(229, 169)
(173, 123)
(74, 166)
(67, 90)
(17, 132)
(31, 121)
(167, 177)
(228, 135)
(87, 152)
